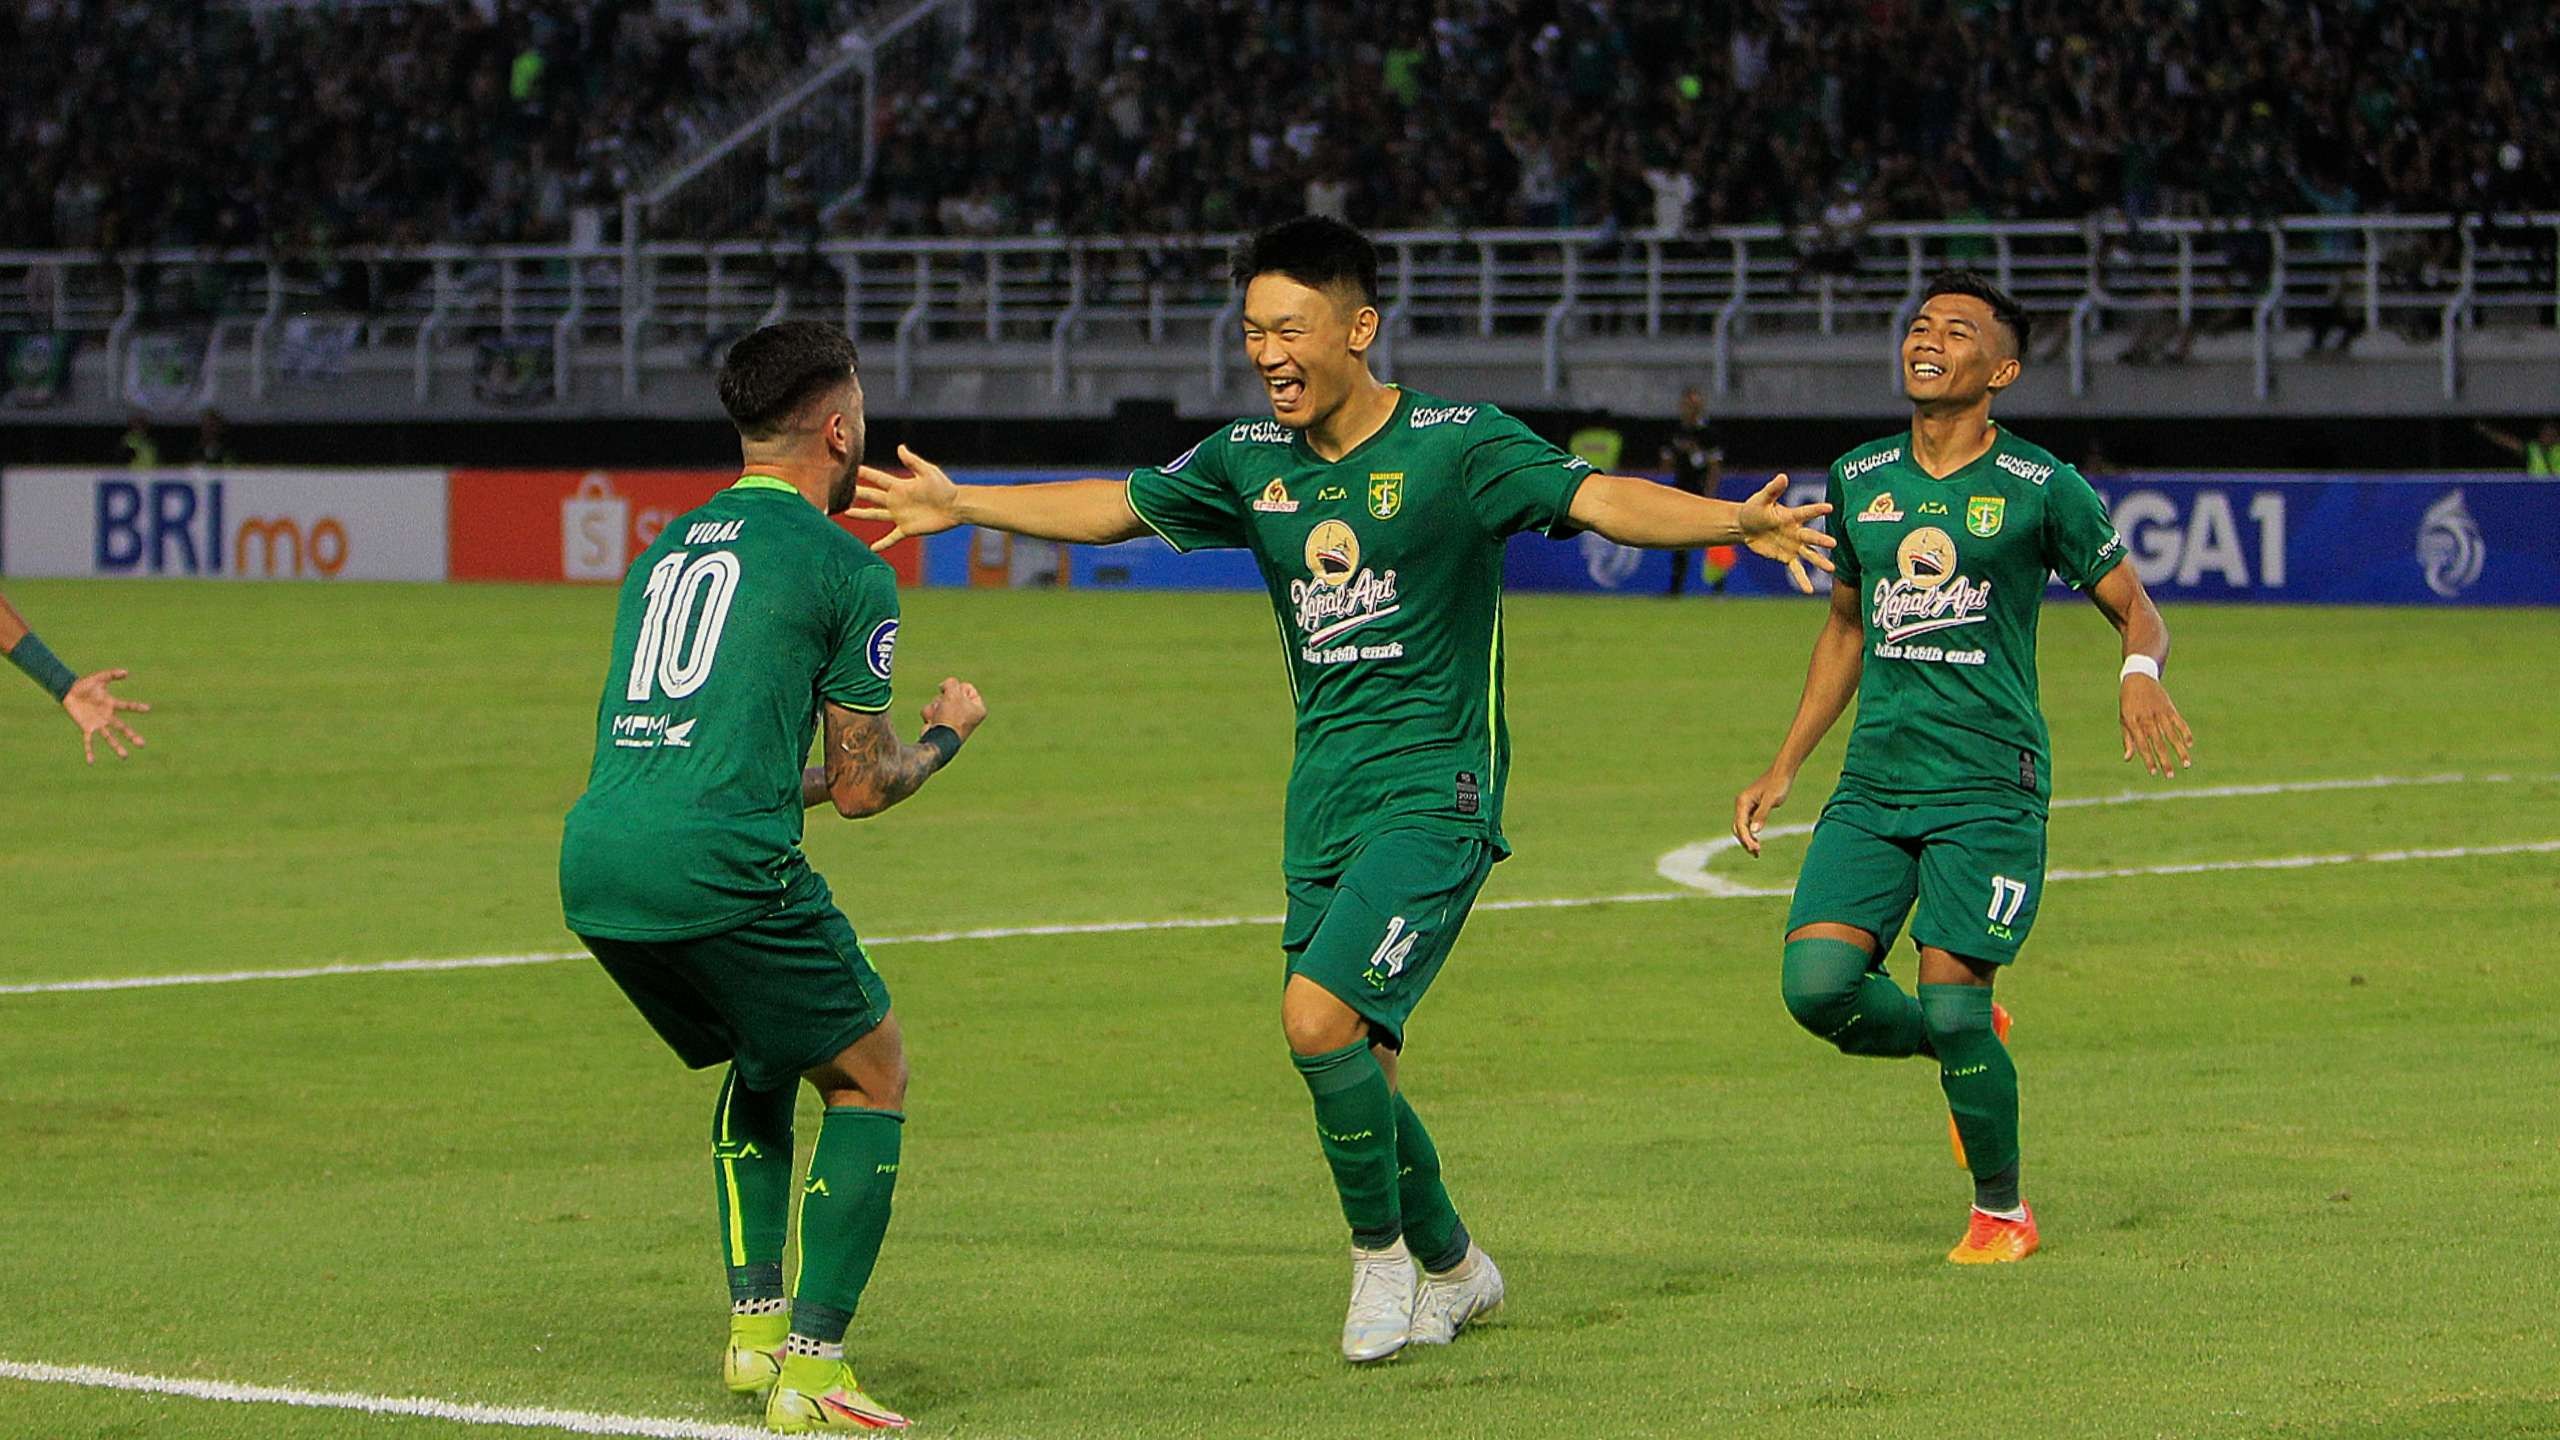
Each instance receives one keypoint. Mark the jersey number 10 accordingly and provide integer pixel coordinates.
(680, 632)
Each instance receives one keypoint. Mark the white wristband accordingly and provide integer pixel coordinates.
(2138, 665)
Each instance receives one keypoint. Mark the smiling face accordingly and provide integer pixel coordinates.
(1309, 346)
(1956, 354)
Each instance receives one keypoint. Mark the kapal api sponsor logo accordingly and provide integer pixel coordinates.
(1928, 594)
(1864, 463)
(1341, 596)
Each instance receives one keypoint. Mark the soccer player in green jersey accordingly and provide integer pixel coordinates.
(749, 624)
(1377, 516)
(1948, 532)
(84, 698)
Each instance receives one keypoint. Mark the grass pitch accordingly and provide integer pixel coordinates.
(2290, 1132)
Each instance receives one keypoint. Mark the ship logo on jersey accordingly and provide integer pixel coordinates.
(1333, 554)
(1386, 493)
(1342, 597)
(1928, 594)
(1881, 508)
(1275, 500)
(1982, 515)
(1927, 557)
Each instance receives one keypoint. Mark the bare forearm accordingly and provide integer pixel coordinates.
(1079, 512)
(1830, 679)
(13, 627)
(813, 787)
(871, 770)
(1654, 517)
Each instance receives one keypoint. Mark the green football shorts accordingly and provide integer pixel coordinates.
(1374, 935)
(1976, 871)
(782, 993)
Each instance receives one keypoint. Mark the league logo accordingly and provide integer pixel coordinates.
(882, 648)
(1982, 514)
(1386, 493)
(2451, 551)
(1333, 554)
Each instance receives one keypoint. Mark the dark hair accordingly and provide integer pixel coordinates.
(773, 374)
(1317, 251)
(2004, 306)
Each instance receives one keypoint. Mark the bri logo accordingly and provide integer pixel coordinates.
(2027, 470)
(1865, 463)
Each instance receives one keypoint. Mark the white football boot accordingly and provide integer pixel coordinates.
(1447, 1302)
(1380, 1321)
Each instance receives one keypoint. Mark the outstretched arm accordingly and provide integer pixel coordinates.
(85, 698)
(1656, 517)
(2152, 725)
(926, 502)
(867, 770)
(1830, 678)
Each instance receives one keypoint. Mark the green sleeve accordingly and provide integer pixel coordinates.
(1191, 502)
(865, 641)
(2080, 542)
(1844, 556)
(1517, 481)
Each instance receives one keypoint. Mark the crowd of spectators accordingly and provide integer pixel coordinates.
(1189, 115)
(296, 125)
(306, 125)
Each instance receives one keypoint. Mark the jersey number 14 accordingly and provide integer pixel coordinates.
(680, 631)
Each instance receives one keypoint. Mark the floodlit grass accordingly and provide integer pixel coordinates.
(2290, 1133)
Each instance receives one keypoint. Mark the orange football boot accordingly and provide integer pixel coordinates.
(1990, 1240)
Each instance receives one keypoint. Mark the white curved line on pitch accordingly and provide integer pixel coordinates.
(525, 1417)
(1688, 865)
(1690, 861)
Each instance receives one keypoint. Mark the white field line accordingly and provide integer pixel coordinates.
(1686, 866)
(526, 1417)
(1689, 865)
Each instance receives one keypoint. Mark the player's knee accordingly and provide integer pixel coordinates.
(1819, 980)
(1955, 1013)
(1314, 1028)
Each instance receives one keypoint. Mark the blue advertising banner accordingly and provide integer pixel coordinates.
(2450, 538)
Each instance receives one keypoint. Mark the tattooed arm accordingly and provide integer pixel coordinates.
(867, 770)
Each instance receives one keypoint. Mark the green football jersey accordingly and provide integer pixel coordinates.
(734, 625)
(1951, 578)
(1385, 568)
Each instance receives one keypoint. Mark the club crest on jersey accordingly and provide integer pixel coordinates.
(1275, 500)
(1386, 493)
(1881, 508)
(1982, 514)
(881, 650)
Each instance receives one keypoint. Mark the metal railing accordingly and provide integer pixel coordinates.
(1555, 295)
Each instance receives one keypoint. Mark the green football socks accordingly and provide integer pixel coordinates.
(751, 1175)
(844, 1214)
(1356, 1122)
(1432, 1230)
(1834, 990)
(1981, 1086)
